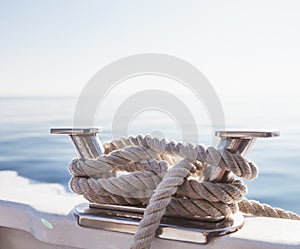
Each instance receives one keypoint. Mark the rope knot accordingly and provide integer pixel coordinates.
(167, 178)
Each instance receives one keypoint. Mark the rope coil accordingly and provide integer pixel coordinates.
(167, 178)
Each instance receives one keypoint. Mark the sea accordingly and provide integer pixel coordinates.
(26, 145)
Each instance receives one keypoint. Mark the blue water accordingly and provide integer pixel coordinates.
(27, 146)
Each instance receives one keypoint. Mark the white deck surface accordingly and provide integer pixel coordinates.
(35, 215)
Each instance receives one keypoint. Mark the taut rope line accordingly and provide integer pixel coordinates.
(167, 178)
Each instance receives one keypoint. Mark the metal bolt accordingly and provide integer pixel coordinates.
(237, 141)
(86, 141)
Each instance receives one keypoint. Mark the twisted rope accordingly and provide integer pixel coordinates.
(167, 178)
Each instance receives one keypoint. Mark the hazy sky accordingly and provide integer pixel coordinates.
(53, 47)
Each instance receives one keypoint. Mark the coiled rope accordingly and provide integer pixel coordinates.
(167, 178)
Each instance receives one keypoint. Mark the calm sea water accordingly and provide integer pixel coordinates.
(27, 147)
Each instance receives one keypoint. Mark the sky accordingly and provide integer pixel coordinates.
(242, 47)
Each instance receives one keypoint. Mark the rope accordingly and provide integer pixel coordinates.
(167, 178)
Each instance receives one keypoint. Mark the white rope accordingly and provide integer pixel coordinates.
(167, 178)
